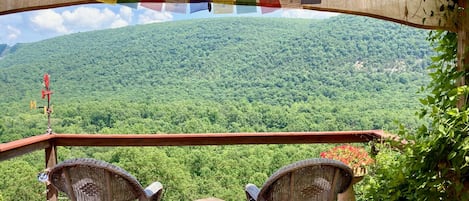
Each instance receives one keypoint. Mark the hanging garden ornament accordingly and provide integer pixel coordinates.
(47, 91)
(47, 109)
(46, 81)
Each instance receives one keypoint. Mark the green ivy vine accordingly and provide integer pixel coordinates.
(434, 164)
(438, 160)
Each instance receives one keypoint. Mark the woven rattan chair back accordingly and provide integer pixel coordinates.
(86, 179)
(314, 179)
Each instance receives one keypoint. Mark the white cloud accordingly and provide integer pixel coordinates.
(126, 13)
(83, 18)
(119, 23)
(49, 20)
(88, 18)
(12, 33)
(309, 14)
(152, 16)
(37, 25)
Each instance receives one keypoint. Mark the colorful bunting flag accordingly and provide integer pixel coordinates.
(220, 6)
(268, 6)
(223, 6)
(290, 3)
(246, 6)
(243, 9)
(195, 7)
(156, 5)
(265, 10)
(175, 7)
(246, 2)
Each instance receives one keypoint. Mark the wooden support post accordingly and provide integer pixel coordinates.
(51, 161)
(463, 46)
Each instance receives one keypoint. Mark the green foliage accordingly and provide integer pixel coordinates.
(438, 161)
(385, 179)
(19, 178)
(434, 164)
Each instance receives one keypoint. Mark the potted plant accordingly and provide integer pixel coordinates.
(356, 158)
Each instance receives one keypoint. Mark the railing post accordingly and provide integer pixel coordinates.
(463, 46)
(51, 161)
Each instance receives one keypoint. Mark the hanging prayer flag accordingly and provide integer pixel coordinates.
(270, 3)
(246, 6)
(291, 3)
(223, 6)
(156, 5)
(242, 9)
(175, 7)
(195, 7)
(265, 10)
(246, 2)
(268, 6)
(153, 6)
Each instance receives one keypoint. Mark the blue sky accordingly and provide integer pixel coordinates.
(42, 24)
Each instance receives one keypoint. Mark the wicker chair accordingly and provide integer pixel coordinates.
(314, 179)
(93, 180)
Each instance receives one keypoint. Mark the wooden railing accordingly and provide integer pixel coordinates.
(49, 142)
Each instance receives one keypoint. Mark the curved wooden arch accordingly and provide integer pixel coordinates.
(427, 14)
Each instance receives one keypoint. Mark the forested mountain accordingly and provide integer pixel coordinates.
(212, 75)
(274, 61)
(251, 74)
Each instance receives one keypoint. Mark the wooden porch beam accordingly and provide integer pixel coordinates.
(15, 6)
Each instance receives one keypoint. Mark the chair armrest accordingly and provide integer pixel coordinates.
(251, 192)
(154, 191)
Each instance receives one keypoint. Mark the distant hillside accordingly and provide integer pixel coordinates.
(258, 59)
(3, 48)
(219, 75)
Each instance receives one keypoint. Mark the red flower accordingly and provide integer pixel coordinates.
(355, 157)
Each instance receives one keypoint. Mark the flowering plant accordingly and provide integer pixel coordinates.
(355, 157)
